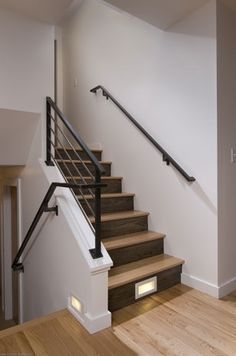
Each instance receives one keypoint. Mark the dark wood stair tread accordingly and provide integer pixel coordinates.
(146, 267)
(120, 216)
(131, 239)
(108, 196)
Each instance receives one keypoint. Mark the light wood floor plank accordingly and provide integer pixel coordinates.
(177, 322)
(180, 321)
(60, 334)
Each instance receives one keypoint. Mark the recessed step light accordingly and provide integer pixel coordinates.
(146, 287)
(75, 306)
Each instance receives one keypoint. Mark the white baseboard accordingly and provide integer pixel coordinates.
(227, 288)
(101, 322)
(201, 285)
(209, 288)
(91, 324)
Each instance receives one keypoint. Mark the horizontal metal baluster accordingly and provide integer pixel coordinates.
(97, 166)
(74, 165)
(76, 136)
(78, 157)
(71, 146)
(68, 170)
(87, 203)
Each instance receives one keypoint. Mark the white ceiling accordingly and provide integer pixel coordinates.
(160, 13)
(50, 11)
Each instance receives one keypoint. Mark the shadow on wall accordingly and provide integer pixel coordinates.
(189, 26)
(17, 131)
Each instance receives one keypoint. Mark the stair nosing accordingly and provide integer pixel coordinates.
(107, 196)
(142, 274)
(131, 240)
(116, 216)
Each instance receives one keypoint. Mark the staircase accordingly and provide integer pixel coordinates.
(137, 253)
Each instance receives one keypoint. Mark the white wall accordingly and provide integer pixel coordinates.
(167, 80)
(17, 129)
(26, 78)
(57, 262)
(26, 62)
(26, 65)
(226, 20)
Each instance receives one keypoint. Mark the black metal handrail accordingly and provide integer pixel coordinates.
(52, 150)
(166, 157)
(16, 266)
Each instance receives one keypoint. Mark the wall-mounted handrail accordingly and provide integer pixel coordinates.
(76, 136)
(16, 266)
(166, 157)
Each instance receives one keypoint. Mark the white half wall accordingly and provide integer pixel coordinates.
(167, 81)
(58, 263)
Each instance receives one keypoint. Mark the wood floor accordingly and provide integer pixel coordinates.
(178, 321)
(60, 335)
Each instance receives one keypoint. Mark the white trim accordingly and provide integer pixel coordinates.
(227, 288)
(200, 284)
(20, 240)
(209, 288)
(7, 253)
(93, 325)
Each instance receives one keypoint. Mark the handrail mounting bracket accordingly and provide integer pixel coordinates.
(19, 267)
(52, 209)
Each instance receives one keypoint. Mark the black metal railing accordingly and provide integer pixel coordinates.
(62, 141)
(18, 266)
(166, 157)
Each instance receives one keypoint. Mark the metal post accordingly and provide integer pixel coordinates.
(97, 253)
(48, 161)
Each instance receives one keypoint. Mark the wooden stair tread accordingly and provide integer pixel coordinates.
(120, 215)
(108, 196)
(146, 267)
(122, 241)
